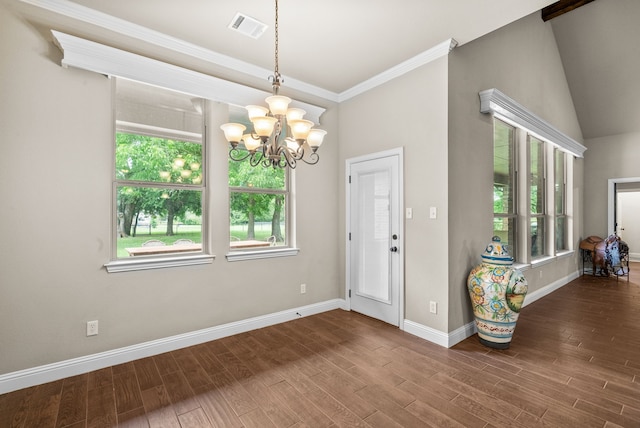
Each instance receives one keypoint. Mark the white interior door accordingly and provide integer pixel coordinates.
(375, 236)
(628, 223)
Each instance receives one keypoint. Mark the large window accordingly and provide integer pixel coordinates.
(159, 172)
(504, 185)
(528, 215)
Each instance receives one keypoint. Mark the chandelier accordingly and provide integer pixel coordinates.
(266, 145)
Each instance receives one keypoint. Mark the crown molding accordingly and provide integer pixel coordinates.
(419, 60)
(92, 56)
(91, 16)
(492, 101)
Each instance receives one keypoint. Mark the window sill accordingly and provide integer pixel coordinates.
(542, 261)
(236, 256)
(126, 265)
(521, 266)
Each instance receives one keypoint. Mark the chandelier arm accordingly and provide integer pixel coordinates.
(237, 155)
(287, 159)
(312, 159)
(256, 158)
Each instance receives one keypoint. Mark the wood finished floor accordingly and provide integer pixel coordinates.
(574, 361)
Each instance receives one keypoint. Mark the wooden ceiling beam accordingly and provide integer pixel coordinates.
(561, 7)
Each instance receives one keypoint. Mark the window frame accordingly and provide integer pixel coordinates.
(564, 191)
(541, 213)
(512, 215)
(262, 191)
(172, 259)
(522, 250)
(287, 250)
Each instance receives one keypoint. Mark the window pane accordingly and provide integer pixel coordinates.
(159, 171)
(537, 237)
(258, 217)
(503, 169)
(561, 241)
(536, 153)
(157, 214)
(242, 174)
(505, 228)
(559, 181)
(153, 159)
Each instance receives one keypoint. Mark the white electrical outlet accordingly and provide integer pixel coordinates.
(92, 328)
(409, 213)
(303, 288)
(433, 213)
(433, 307)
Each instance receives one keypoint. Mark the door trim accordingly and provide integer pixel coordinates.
(383, 154)
(611, 196)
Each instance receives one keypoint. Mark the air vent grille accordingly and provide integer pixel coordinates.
(247, 25)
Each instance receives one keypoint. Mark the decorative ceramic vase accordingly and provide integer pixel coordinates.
(497, 291)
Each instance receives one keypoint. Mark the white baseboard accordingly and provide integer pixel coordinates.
(634, 257)
(63, 369)
(550, 288)
(436, 336)
(450, 339)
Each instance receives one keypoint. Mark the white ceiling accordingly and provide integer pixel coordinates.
(334, 45)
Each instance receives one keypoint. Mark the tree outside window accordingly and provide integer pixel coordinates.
(258, 203)
(159, 171)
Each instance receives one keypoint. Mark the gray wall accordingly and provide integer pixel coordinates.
(612, 157)
(409, 112)
(522, 61)
(56, 169)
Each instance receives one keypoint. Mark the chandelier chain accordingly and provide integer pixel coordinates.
(276, 76)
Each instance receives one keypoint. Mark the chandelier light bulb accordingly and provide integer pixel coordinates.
(278, 104)
(295, 114)
(256, 111)
(263, 126)
(315, 138)
(251, 143)
(300, 128)
(233, 131)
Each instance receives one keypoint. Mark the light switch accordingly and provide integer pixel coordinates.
(409, 212)
(433, 212)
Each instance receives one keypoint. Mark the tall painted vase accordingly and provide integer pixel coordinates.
(497, 291)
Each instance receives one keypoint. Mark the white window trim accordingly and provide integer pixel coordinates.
(236, 256)
(126, 265)
(494, 102)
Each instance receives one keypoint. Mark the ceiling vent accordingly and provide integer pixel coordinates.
(247, 25)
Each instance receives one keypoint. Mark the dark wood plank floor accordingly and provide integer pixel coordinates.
(574, 362)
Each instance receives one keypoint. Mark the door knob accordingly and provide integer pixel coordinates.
(394, 249)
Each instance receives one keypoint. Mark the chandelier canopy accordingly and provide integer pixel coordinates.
(269, 144)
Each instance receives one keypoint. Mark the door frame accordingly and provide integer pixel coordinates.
(611, 198)
(386, 153)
